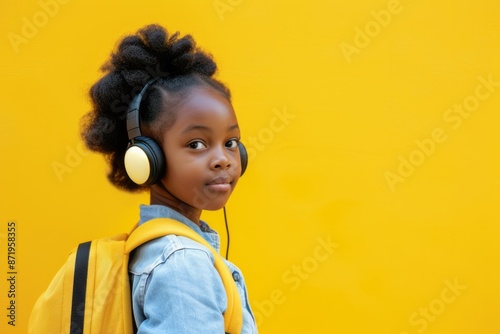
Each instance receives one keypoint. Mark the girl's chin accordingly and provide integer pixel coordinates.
(214, 207)
(214, 204)
(212, 200)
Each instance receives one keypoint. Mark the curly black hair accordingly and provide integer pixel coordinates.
(151, 52)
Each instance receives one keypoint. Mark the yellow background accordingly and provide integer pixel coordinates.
(372, 158)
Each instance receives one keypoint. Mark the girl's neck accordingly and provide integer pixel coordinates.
(159, 195)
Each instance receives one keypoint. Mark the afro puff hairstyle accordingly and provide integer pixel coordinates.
(149, 53)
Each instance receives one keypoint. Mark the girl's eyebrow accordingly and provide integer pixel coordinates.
(205, 128)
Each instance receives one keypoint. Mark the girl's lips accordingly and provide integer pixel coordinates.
(222, 184)
(219, 187)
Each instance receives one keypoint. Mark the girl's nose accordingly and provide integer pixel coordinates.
(221, 160)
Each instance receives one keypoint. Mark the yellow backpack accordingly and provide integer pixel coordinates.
(91, 292)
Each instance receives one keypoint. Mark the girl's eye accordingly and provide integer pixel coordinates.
(233, 143)
(196, 145)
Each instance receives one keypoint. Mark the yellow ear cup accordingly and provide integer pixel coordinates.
(137, 165)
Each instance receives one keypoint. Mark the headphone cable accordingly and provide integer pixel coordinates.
(227, 233)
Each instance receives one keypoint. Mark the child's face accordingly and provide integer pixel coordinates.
(203, 161)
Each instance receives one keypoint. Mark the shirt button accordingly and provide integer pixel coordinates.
(236, 276)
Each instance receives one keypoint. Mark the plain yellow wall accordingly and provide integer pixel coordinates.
(371, 200)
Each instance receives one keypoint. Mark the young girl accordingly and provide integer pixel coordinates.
(185, 124)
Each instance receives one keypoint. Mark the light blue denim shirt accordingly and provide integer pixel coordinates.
(175, 286)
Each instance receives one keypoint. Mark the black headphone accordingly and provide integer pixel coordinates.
(144, 159)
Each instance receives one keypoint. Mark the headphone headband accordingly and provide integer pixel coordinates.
(133, 117)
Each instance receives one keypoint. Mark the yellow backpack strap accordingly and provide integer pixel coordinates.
(159, 227)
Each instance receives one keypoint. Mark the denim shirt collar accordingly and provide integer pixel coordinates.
(148, 212)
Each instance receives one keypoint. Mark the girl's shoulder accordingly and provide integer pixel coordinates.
(159, 251)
